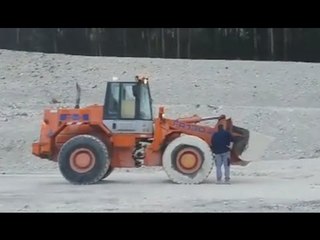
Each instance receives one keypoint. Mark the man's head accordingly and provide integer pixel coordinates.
(220, 127)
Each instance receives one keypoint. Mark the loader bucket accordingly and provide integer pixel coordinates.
(257, 146)
(241, 139)
(236, 160)
(249, 148)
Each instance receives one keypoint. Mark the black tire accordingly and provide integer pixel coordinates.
(99, 167)
(110, 170)
(169, 160)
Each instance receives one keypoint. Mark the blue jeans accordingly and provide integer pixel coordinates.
(223, 159)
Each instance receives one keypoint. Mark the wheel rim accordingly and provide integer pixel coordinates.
(188, 160)
(82, 160)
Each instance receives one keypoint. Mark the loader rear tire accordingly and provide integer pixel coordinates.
(110, 170)
(188, 160)
(83, 160)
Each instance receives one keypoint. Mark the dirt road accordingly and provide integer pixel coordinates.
(262, 186)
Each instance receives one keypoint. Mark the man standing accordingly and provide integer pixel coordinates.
(220, 143)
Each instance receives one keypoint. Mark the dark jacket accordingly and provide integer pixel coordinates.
(220, 141)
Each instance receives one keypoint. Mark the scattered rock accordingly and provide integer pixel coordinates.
(224, 94)
(51, 69)
(22, 114)
(54, 101)
(211, 106)
(13, 106)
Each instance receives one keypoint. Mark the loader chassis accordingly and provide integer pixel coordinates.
(89, 142)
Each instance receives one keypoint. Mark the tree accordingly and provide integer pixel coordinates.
(285, 44)
(124, 41)
(178, 42)
(271, 40)
(255, 43)
(189, 42)
(163, 46)
(18, 37)
(298, 44)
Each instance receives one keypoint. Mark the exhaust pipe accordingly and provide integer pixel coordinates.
(78, 96)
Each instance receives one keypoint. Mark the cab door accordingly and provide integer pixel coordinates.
(128, 108)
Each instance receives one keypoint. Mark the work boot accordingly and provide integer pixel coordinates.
(218, 181)
(138, 164)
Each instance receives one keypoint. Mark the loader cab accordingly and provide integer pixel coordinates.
(128, 107)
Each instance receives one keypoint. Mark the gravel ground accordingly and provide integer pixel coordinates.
(277, 99)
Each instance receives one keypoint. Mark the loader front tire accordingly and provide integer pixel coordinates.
(83, 160)
(188, 160)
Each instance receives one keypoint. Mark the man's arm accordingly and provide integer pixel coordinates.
(231, 141)
(231, 137)
(212, 141)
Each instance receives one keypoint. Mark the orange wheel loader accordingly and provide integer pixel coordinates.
(89, 142)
